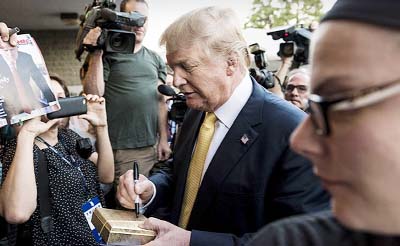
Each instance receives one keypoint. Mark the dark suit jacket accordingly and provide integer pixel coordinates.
(320, 229)
(246, 185)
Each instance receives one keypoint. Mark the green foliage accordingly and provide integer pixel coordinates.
(273, 13)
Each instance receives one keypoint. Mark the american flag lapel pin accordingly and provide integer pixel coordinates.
(244, 139)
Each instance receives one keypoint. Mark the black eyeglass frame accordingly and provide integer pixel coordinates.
(286, 90)
(347, 101)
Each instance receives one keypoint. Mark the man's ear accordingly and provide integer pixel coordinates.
(232, 65)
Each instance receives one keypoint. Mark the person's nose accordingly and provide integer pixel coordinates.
(178, 79)
(305, 141)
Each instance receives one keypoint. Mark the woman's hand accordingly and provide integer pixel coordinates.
(6, 41)
(34, 127)
(96, 111)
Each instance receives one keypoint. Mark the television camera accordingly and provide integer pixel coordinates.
(114, 37)
(297, 42)
(177, 110)
(261, 74)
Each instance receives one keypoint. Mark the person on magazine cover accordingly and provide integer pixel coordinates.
(17, 69)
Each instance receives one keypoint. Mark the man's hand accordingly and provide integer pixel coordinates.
(163, 150)
(167, 233)
(127, 190)
(96, 113)
(6, 40)
(92, 36)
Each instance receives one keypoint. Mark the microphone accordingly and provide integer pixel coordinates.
(166, 90)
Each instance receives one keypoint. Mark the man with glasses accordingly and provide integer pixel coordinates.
(351, 132)
(296, 89)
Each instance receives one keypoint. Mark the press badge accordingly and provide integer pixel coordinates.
(88, 209)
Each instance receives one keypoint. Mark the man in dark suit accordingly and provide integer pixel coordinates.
(232, 170)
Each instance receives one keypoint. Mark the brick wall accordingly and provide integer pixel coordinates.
(58, 51)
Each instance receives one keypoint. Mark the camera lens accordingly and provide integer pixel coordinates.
(119, 42)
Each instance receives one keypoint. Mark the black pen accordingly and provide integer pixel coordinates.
(135, 180)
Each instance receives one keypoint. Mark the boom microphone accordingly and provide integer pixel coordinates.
(166, 90)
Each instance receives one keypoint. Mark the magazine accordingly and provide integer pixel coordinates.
(24, 83)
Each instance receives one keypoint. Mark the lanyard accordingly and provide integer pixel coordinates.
(75, 165)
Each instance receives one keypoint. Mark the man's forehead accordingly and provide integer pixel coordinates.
(299, 78)
(139, 7)
(183, 54)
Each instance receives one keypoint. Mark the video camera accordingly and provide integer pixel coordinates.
(178, 107)
(113, 38)
(261, 74)
(297, 42)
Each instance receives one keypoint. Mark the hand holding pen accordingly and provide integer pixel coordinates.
(128, 189)
(136, 180)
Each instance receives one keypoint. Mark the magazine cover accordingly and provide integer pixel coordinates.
(24, 83)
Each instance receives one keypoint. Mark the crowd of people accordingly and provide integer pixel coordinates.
(314, 165)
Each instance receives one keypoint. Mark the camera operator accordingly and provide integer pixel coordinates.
(136, 112)
(280, 75)
(271, 81)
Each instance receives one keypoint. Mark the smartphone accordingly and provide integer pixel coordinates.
(70, 106)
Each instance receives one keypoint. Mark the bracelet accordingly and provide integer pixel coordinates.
(143, 209)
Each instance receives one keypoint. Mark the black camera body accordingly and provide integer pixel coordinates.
(113, 37)
(261, 74)
(178, 108)
(84, 147)
(297, 42)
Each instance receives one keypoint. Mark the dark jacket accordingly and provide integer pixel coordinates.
(246, 185)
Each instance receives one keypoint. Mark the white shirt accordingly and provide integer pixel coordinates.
(226, 115)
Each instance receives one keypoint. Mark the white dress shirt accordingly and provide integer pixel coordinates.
(226, 115)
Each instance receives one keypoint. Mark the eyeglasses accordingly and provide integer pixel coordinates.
(318, 106)
(300, 88)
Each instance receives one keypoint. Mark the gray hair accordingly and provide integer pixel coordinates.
(215, 29)
(305, 70)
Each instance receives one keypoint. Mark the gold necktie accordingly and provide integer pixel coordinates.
(196, 167)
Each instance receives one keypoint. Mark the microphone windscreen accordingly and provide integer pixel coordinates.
(166, 90)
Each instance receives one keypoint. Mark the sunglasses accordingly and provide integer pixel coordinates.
(318, 106)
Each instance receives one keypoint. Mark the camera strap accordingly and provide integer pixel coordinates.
(46, 221)
(73, 163)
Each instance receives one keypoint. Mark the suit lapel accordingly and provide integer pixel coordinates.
(236, 143)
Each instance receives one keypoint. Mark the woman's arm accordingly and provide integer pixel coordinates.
(104, 159)
(18, 192)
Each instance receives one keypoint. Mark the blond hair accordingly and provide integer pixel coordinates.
(216, 30)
